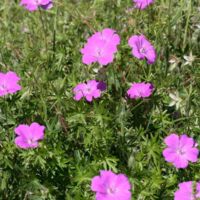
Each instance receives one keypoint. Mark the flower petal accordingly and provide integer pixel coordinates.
(172, 140)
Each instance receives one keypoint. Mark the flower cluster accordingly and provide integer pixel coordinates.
(90, 90)
(185, 191)
(33, 5)
(110, 186)
(9, 83)
(28, 136)
(142, 48)
(180, 150)
(93, 89)
(140, 90)
(142, 4)
(101, 47)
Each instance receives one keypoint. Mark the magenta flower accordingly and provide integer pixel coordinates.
(101, 47)
(9, 83)
(180, 150)
(142, 48)
(142, 4)
(90, 90)
(140, 90)
(28, 136)
(110, 186)
(185, 191)
(33, 5)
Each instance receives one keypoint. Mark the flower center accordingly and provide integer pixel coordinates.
(87, 90)
(30, 141)
(180, 151)
(111, 190)
(143, 50)
(98, 53)
(2, 87)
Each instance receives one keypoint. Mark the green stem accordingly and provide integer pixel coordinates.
(145, 74)
(168, 36)
(187, 23)
(43, 28)
(6, 106)
(149, 72)
(137, 105)
(184, 118)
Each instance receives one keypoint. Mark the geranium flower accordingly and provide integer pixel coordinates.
(9, 83)
(101, 47)
(90, 90)
(180, 150)
(185, 191)
(140, 90)
(110, 186)
(33, 5)
(142, 48)
(142, 4)
(28, 136)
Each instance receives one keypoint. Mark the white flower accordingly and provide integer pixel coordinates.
(189, 59)
(175, 100)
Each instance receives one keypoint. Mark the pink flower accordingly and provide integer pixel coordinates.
(185, 191)
(180, 150)
(100, 47)
(28, 136)
(9, 83)
(142, 4)
(110, 186)
(33, 5)
(142, 48)
(91, 89)
(140, 90)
